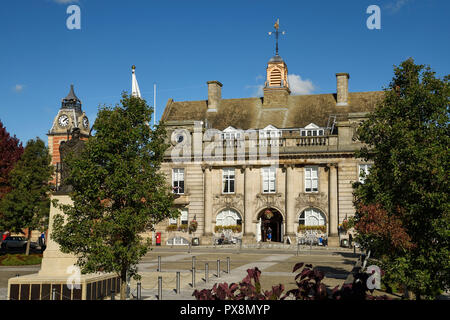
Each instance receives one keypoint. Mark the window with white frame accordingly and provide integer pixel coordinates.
(363, 171)
(268, 179)
(177, 241)
(173, 221)
(232, 136)
(270, 132)
(312, 217)
(228, 217)
(178, 180)
(312, 130)
(228, 179)
(184, 216)
(311, 179)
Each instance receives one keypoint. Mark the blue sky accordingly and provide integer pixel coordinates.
(179, 45)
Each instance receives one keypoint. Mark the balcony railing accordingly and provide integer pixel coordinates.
(279, 142)
(312, 141)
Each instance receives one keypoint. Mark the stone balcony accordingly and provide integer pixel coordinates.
(279, 146)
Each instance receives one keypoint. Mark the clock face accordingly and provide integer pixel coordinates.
(85, 122)
(63, 120)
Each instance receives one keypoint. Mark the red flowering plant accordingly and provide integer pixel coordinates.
(193, 226)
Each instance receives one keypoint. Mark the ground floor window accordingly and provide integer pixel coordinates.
(177, 241)
(312, 217)
(228, 217)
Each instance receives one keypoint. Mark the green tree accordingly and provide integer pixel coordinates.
(403, 206)
(27, 205)
(118, 193)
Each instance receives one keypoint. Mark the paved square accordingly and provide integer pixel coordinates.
(275, 264)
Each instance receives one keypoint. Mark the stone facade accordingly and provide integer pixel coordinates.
(298, 136)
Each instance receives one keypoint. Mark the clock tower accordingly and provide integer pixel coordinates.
(69, 116)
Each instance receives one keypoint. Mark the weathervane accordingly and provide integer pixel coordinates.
(277, 26)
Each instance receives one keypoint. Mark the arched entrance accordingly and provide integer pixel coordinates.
(271, 219)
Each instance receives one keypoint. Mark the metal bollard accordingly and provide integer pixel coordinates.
(178, 282)
(159, 264)
(193, 277)
(128, 286)
(138, 291)
(53, 293)
(113, 295)
(159, 288)
(189, 250)
(218, 268)
(206, 272)
(193, 262)
(298, 248)
(228, 265)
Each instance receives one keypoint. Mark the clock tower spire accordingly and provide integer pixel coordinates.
(69, 116)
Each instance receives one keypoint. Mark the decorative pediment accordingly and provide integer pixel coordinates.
(270, 128)
(319, 199)
(312, 126)
(230, 129)
(269, 200)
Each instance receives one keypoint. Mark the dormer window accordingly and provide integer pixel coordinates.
(270, 132)
(312, 130)
(270, 135)
(231, 133)
(231, 136)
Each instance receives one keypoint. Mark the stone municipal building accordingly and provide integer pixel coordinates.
(281, 161)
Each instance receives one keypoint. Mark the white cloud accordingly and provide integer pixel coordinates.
(296, 84)
(396, 5)
(300, 86)
(66, 1)
(18, 88)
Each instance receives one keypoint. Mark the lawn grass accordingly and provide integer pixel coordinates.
(20, 259)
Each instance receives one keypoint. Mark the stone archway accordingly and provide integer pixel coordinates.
(271, 219)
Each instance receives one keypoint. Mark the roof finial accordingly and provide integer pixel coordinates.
(277, 27)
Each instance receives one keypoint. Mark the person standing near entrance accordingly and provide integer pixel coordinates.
(269, 234)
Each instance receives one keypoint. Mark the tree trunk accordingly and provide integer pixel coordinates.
(27, 250)
(123, 284)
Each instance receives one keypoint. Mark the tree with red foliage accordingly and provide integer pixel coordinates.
(382, 229)
(11, 150)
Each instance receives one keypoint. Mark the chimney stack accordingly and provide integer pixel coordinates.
(214, 95)
(342, 88)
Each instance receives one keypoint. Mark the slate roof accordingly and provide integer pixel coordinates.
(249, 113)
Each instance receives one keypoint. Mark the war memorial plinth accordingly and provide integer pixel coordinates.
(59, 278)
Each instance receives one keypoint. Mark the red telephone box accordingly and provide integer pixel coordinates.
(158, 238)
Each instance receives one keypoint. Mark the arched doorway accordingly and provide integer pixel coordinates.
(271, 219)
